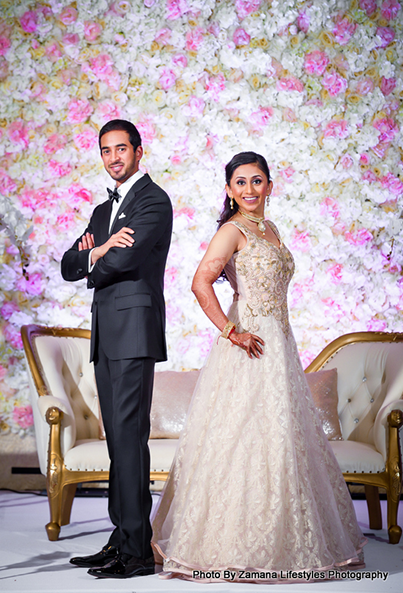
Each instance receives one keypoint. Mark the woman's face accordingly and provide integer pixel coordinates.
(249, 187)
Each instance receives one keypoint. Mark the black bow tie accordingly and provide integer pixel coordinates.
(113, 195)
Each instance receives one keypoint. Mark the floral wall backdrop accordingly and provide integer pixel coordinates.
(316, 86)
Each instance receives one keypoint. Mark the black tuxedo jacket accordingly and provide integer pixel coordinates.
(128, 310)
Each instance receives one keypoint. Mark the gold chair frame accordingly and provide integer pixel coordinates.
(391, 478)
(61, 483)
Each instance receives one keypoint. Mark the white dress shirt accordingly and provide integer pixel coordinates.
(123, 190)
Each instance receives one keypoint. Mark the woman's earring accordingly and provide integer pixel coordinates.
(231, 203)
(267, 200)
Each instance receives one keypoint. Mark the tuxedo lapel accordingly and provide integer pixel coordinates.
(136, 188)
(103, 225)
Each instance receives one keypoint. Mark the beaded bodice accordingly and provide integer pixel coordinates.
(259, 275)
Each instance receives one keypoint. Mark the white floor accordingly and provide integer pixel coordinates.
(31, 563)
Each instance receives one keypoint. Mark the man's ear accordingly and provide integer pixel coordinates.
(139, 153)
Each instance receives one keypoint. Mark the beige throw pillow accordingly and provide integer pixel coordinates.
(323, 386)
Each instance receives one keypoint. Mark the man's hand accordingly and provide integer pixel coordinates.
(123, 238)
(87, 242)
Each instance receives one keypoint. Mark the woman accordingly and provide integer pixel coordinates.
(255, 488)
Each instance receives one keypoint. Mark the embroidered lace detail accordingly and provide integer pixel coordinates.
(263, 273)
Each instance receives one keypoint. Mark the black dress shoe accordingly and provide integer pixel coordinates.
(103, 557)
(123, 567)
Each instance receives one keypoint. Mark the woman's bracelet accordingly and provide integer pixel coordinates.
(228, 329)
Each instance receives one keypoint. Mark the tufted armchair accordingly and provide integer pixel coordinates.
(70, 443)
(370, 409)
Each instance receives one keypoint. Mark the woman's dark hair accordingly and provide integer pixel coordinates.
(124, 126)
(242, 158)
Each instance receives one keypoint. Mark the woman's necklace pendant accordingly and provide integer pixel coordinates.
(259, 221)
(261, 227)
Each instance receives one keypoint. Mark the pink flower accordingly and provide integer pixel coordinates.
(241, 37)
(334, 83)
(289, 115)
(29, 21)
(388, 85)
(214, 29)
(194, 39)
(287, 174)
(386, 34)
(53, 52)
(101, 65)
(92, 30)
(316, 62)
(7, 185)
(389, 9)
(306, 358)
(71, 39)
(365, 86)
(66, 220)
(167, 79)
(387, 127)
(59, 169)
(33, 285)
(22, 415)
(215, 85)
(79, 194)
(180, 60)
(194, 107)
(261, 118)
(54, 143)
(8, 308)
(376, 325)
(369, 176)
(18, 133)
(391, 106)
(203, 245)
(5, 43)
(336, 273)
(245, 7)
(336, 129)
(338, 228)
(79, 111)
(163, 36)
(343, 31)
(346, 161)
(329, 206)
(146, 130)
(86, 139)
(68, 16)
(359, 237)
(290, 83)
(108, 110)
(393, 184)
(301, 240)
(176, 9)
(303, 22)
(3, 372)
(369, 6)
(365, 160)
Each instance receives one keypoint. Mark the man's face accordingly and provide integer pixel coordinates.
(120, 159)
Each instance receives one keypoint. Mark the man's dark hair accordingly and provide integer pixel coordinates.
(124, 126)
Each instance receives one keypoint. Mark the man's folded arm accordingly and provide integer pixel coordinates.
(149, 225)
(74, 265)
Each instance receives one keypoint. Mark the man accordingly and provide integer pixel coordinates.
(123, 253)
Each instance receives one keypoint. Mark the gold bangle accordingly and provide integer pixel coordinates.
(228, 329)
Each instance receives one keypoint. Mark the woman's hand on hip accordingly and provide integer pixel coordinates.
(249, 342)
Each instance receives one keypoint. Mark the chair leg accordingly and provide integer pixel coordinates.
(69, 492)
(374, 507)
(55, 507)
(394, 530)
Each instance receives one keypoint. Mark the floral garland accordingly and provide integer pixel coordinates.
(315, 86)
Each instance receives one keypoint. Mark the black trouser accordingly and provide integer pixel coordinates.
(125, 391)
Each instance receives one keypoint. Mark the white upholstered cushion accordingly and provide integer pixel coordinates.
(92, 455)
(356, 457)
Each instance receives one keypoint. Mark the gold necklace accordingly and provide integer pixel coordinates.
(260, 221)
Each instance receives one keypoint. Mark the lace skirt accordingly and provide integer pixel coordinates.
(254, 485)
